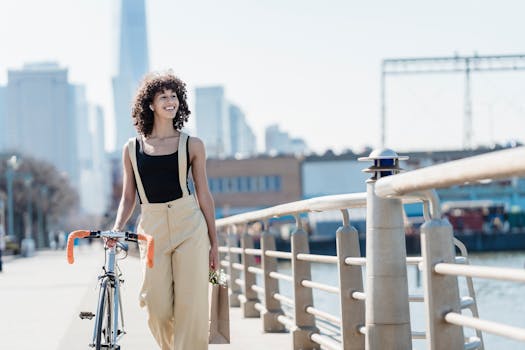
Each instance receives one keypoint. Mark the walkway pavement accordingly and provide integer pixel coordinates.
(41, 297)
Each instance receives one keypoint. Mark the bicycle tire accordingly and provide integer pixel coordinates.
(104, 316)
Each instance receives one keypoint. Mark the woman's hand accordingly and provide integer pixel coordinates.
(214, 257)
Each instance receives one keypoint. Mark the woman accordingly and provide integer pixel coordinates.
(156, 164)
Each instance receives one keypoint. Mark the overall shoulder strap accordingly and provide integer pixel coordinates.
(183, 166)
(132, 149)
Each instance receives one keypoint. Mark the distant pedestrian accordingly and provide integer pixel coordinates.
(157, 164)
(61, 240)
(52, 242)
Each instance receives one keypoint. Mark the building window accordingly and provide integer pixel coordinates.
(225, 184)
(244, 184)
(261, 184)
(215, 185)
(272, 183)
(253, 184)
(249, 185)
(277, 183)
(268, 183)
(234, 184)
(221, 188)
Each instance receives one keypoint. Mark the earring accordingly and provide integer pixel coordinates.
(151, 107)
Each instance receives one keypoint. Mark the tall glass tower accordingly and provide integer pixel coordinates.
(133, 64)
(213, 122)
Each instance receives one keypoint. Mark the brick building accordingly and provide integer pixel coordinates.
(240, 185)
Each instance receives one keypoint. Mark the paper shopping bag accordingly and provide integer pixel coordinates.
(219, 331)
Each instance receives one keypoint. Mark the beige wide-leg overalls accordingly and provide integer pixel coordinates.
(175, 290)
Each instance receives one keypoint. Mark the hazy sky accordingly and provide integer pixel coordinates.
(311, 66)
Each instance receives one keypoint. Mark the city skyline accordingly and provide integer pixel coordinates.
(222, 125)
(67, 131)
(314, 71)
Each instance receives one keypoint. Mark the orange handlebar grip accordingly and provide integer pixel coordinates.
(71, 242)
(149, 248)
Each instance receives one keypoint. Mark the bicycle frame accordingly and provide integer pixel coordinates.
(109, 280)
(112, 280)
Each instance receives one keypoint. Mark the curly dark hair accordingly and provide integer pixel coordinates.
(152, 84)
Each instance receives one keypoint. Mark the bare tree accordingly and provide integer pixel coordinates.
(50, 191)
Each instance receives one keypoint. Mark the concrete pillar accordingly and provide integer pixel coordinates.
(250, 296)
(304, 322)
(235, 289)
(350, 280)
(441, 291)
(271, 286)
(387, 310)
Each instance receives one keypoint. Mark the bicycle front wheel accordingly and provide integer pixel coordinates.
(104, 316)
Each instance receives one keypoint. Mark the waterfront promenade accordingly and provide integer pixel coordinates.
(41, 297)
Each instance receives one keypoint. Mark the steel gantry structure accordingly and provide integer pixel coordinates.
(454, 64)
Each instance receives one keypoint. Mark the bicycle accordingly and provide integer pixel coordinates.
(107, 330)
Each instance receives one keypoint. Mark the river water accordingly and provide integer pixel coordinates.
(497, 300)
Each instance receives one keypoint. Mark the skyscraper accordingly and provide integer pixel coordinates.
(276, 141)
(84, 155)
(133, 64)
(94, 173)
(243, 141)
(41, 105)
(279, 142)
(213, 121)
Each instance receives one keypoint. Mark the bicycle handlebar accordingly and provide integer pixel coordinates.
(129, 236)
(71, 241)
(149, 247)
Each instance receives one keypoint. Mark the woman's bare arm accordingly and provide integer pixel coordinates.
(129, 188)
(198, 166)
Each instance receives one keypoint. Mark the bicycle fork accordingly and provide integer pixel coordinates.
(101, 296)
(117, 302)
(110, 287)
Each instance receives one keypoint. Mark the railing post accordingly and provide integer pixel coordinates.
(222, 241)
(303, 297)
(441, 292)
(271, 285)
(235, 289)
(250, 297)
(387, 308)
(350, 280)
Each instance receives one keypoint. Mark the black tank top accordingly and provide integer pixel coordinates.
(160, 175)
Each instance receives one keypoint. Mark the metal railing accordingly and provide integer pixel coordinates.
(301, 320)
(377, 313)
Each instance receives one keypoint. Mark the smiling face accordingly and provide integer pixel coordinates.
(165, 104)
(161, 98)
